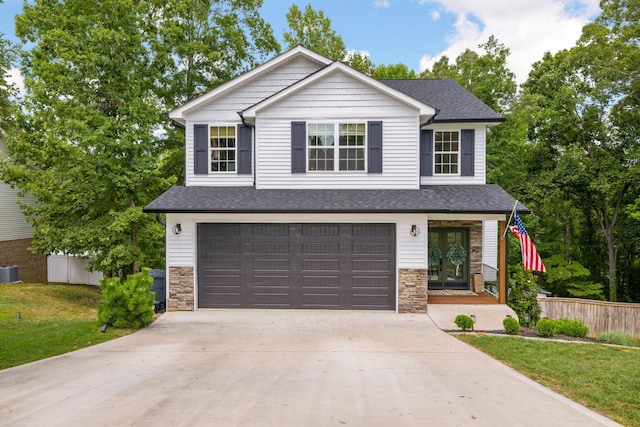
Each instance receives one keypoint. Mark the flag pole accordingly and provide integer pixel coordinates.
(510, 218)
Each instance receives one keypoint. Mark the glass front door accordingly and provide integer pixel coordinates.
(448, 258)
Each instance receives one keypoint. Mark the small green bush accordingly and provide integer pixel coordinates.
(572, 328)
(464, 322)
(546, 327)
(511, 326)
(618, 338)
(127, 305)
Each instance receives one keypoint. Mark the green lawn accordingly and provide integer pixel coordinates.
(39, 321)
(603, 378)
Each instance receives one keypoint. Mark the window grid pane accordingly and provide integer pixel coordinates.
(352, 141)
(222, 143)
(446, 152)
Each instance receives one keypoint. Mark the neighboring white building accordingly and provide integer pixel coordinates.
(311, 185)
(16, 235)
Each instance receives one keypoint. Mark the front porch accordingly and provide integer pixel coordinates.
(460, 297)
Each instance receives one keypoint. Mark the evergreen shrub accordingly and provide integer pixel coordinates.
(128, 304)
(572, 328)
(546, 327)
(464, 322)
(511, 326)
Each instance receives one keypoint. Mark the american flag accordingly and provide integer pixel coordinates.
(530, 257)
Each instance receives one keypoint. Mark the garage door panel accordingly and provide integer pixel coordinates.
(331, 230)
(370, 265)
(370, 248)
(320, 264)
(320, 281)
(271, 264)
(321, 248)
(328, 266)
(271, 248)
(270, 230)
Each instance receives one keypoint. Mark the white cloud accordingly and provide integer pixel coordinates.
(381, 4)
(526, 27)
(15, 77)
(435, 15)
(351, 52)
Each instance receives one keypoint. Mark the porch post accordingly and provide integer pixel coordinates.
(502, 263)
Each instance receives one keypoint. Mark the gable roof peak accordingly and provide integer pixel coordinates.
(296, 52)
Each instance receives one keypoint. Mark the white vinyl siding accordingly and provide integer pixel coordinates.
(490, 244)
(338, 98)
(226, 106)
(223, 110)
(13, 225)
(479, 157)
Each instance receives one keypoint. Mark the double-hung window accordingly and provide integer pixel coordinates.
(447, 153)
(222, 145)
(323, 150)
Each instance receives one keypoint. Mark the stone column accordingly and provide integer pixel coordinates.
(181, 295)
(412, 290)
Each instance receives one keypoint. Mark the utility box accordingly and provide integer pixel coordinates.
(9, 274)
(159, 288)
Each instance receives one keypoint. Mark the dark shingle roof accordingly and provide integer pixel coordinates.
(430, 199)
(453, 102)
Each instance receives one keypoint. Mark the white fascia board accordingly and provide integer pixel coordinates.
(178, 113)
(425, 111)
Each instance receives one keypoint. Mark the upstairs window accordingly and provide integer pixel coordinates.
(321, 146)
(352, 137)
(222, 144)
(446, 152)
(350, 150)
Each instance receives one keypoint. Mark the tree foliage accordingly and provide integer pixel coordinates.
(584, 120)
(486, 76)
(312, 29)
(98, 78)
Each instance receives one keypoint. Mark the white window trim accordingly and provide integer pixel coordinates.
(459, 132)
(336, 147)
(228, 124)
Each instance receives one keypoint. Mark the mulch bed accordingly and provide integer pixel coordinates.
(532, 333)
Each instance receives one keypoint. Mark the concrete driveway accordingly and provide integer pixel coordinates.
(281, 368)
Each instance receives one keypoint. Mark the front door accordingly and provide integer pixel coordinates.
(448, 258)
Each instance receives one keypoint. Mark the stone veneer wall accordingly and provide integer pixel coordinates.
(412, 290)
(475, 241)
(181, 297)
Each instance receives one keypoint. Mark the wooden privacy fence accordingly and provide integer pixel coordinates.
(599, 316)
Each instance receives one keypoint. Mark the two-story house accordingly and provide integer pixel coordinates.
(16, 235)
(311, 185)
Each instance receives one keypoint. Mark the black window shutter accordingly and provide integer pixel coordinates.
(468, 148)
(426, 152)
(244, 150)
(374, 147)
(201, 150)
(298, 147)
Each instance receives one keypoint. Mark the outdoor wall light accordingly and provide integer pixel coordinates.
(415, 231)
(177, 229)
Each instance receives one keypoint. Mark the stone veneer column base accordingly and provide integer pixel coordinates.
(412, 290)
(181, 297)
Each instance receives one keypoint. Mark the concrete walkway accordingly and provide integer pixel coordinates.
(281, 368)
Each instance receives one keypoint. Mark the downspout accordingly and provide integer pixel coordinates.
(160, 220)
(253, 145)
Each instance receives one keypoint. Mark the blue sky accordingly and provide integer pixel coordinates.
(418, 32)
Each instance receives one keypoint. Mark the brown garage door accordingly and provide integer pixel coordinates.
(327, 266)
